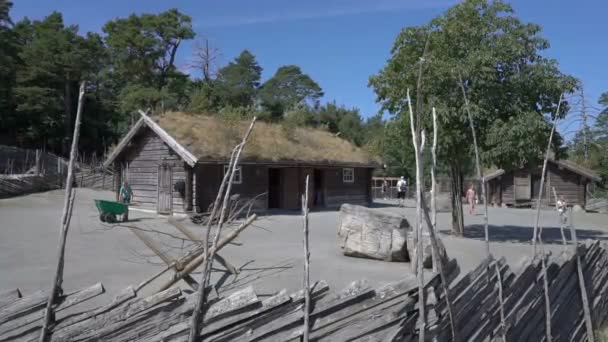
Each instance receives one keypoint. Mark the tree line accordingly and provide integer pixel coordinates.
(131, 65)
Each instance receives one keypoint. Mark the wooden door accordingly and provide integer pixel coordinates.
(522, 185)
(165, 191)
(290, 189)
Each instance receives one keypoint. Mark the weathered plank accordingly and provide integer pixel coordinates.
(9, 296)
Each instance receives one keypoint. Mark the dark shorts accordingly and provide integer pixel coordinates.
(401, 194)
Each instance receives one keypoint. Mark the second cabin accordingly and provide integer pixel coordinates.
(176, 163)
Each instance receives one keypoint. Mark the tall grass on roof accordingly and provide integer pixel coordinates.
(209, 137)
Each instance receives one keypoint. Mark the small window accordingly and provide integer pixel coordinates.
(238, 175)
(348, 175)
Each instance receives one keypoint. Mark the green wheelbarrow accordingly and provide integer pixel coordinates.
(108, 210)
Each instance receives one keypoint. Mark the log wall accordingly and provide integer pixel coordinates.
(338, 192)
(209, 177)
(567, 183)
(140, 164)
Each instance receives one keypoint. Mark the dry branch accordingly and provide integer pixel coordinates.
(306, 266)
(196, 259)
(56, 287)
(196, 321)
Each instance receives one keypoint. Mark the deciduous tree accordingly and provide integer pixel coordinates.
(510, 86)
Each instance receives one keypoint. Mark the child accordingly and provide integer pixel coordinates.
(561, 206)
(471, 198)
(125, 195)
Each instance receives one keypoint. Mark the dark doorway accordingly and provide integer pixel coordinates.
(319, 199)
(274, 188)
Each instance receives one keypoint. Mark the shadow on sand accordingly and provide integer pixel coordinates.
(550, 235)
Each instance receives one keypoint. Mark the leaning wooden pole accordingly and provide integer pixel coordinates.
(56, 287)
(485, 205)
(477, 164)
(434, 188)
(196, 323)
(306, 265)
(418, 255)
(581, 283)
(542, 177)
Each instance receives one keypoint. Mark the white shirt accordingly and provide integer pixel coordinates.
(401, 185)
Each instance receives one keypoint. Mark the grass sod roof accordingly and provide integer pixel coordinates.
(212, 139)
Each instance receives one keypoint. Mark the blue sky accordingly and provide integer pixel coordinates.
(340, 43)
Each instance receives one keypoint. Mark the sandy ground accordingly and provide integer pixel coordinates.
(268, 254)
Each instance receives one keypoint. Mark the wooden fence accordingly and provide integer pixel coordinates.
(359, 312)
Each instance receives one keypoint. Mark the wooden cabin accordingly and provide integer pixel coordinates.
(521, 187)
(175, 163)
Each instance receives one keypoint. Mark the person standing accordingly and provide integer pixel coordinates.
(561, 206)
(401, 189)
(471, 198)
(384, 189)
(125, 195)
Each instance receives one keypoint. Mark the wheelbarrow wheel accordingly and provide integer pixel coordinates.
(110, 218)
(102, 217)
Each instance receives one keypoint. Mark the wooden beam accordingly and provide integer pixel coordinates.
(151, 244)
(192, 237)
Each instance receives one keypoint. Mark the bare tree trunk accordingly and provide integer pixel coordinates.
(456, 198)
(196, 323)
(306, 266)
(418, 145)
(542, 177)
(56, 287)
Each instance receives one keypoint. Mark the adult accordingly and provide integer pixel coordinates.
(401, 190)
(125, 195)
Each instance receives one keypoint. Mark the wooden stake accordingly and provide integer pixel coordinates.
(581, 283)
(434, 188)
(196, 323)
(56, 287)
(542, 177)
(306, 265)
(418, 240)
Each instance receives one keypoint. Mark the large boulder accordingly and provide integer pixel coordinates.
(367, 233)
(427, 251)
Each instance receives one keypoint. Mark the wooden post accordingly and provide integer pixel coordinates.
(56, 287)
(306, 264)
(189, 187)
(435, 256)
